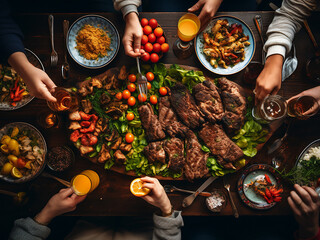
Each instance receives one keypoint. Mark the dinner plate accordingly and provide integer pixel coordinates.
(98, 22)
(41, 143)
(247, 195)
(33, 59)
(249, 51)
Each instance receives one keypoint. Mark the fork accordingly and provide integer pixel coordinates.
(142, 80)
(234, 208)
(54, 54)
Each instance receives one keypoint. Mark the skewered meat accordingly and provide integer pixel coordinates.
(168, 119)
(196, 159)
(151, 123)
(220, 144)
(174, 148)
(86, 105)
(74, 125)
(119, 157)
(125, 147)
(104, 154)
(116, 145)
(85, 149)
(75, 116)
(184, 105)
(209, 101)
(155, 152)
(234, 103)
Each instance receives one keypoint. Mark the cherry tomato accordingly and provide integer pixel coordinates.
(148, 47)
(164, 47)
(130, 116)
(158, 32)
(147, 30)
(129, 137)
(132, 78)
(152, 38)
(144, 39)
(131, 101)
(126, 94)
(153, 99)
(156, 47)
(148, 85)
(153, 23)
(154, 57)
(146, 57)
(119, 95)
(142, 97)
(150, 76)
(163, 91)
(144, 22)
(161, 40)
(131, 87)
(20, 163)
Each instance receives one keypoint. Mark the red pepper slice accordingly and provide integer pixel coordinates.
(16, 99)
(233, 55)
(21, 91)
(267, 179)
(277, 199)
(11, 95)
(17, 92)
(268, 193)
(267, 199)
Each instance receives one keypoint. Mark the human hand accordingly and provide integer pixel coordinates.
(38, 82)
(208, 10)
(132, 36)
(64, 201)
(157, 196)
(269, 80)
(305, 203)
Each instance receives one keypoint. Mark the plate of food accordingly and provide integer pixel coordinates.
(225, 46)
(93, 41)
(259, 187)
(14, 93)
(23, 151)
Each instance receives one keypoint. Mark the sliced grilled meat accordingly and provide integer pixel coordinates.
(174, 148)
(151, 123)
(209, 101)
(196, 159)
(184, 105)
(234, 103)
(155, 152)
(220, 144)
(169, 120)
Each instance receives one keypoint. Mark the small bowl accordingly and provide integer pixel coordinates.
(219, 193)
(51, 162)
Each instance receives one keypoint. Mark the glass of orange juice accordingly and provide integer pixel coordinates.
(188, 27)
(66, 100)
(85, 182)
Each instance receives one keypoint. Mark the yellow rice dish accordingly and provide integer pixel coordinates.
(92, 42)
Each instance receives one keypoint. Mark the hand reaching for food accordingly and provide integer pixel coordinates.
(62, 202)
(269, 80)
(305, 203)
(208, 10)
(132, 36)
(37, 81)
(157, 197)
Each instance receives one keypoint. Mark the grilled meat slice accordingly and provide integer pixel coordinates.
(155, 152)
(168, 119)
(196, 159)
(119, 157)
(151, 123)
(234, 103)
(220, 144)
(174, 148)
(184, 105)
(209, 101)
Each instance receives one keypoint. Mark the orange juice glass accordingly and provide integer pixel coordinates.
(85, 182)
(188, 27)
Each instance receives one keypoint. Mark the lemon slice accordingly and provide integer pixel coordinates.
(137, 189)
(16, 173)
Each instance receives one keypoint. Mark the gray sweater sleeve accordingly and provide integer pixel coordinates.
(127, 6)
(28, 229)
(167, 228)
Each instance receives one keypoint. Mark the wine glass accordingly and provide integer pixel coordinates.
(188, 27)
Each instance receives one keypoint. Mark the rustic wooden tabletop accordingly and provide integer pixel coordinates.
(113, 197)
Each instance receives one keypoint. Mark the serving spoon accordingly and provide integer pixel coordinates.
(65, 68)
(171, 188)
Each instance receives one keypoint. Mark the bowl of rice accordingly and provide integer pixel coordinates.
(93, 41)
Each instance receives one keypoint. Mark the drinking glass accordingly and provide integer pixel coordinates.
(85, 182)
(48, 119)
(252, 72)
(273, 107)
(66, 100)
(302, 107)
(188, 27)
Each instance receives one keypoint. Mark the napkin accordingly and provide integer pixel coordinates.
(290, 64)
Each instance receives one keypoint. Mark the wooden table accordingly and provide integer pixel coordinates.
(112, 197)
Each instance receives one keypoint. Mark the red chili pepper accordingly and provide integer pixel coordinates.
(267, 199)
(13, 104)
(17, 99)
(15, 84)
(11, 95)
(277, 199)
(267, 179)
(17, 91)
(268, 193)
(233, 31)
(233, 55)
(21, 91)
(278, 191)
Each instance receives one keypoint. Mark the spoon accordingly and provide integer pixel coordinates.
(19, 198)
(258, 22)
(171, 188)
(65, 68)
(278, 142)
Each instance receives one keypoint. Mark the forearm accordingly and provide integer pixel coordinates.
(19, 62)
(44, 217)
(274, 62)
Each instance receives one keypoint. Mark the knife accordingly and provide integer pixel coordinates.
(189, 200)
